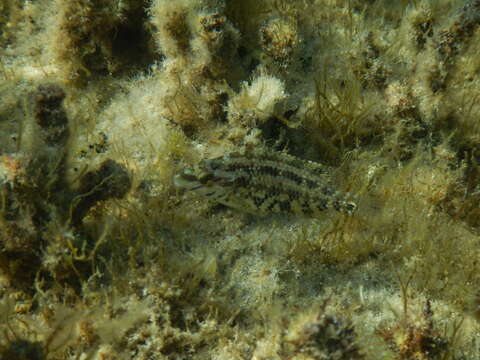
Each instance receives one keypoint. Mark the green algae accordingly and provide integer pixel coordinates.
(102, 102)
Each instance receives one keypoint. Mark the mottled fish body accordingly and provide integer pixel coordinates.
(266, 182)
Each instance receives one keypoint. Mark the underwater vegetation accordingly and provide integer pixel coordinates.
(104, 103)
(38, 205)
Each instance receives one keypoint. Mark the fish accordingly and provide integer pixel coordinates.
(265, 182)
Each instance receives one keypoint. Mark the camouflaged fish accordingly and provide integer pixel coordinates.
(266, 182)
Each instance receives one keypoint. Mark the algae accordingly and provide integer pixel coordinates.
(103, 102)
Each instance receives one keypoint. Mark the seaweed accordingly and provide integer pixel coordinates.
(39, 206)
